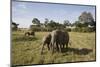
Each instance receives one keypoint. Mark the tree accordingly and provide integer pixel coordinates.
(46, 21)
(66, 23)
(36, 21)
(77, 24)
(52, 24)
(86, 17)
(14, 26)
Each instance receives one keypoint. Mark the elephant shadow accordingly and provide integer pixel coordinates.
(83, 51)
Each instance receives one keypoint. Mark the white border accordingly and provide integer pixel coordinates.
(88, 2)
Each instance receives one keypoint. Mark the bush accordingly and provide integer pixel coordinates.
(41, 29)
(35, 28)
(68, 29)
(75, 30)
(83, 29)
(14, 29)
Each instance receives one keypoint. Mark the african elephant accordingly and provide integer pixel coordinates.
(46, 41)
(59, 39)
(30, 33)
(64, 39)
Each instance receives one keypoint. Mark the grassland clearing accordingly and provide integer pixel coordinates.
(26, 50)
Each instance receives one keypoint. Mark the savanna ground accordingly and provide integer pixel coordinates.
(26, 50)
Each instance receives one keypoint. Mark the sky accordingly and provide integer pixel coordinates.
(24, 12)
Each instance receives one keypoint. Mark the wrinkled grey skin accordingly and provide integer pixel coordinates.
(32, 33)
(65, 39)
(59, 40)
(46, 41)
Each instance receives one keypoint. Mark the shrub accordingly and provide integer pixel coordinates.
(83, 29)
(68, 29)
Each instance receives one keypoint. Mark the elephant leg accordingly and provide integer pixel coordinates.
(63, 45)
(48, 46)
(57, 46)
(52, 47)
(60, 47)
(67, 46)
(42, 48)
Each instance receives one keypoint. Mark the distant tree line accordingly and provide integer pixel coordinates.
(85, 23)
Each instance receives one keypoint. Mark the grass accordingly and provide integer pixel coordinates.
(26, 50)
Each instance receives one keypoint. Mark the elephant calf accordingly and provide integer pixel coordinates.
(31, 33)
(46, 41)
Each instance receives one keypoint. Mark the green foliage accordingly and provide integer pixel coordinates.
(66, 23)
(86, 17)
(82, 25)
(14, 29)
(14, 26)
(84, 20)
(68, 29)
(79, 24)
(35, 28)
(54, 25)
(83, 29)
(36, 21)
(46, 21)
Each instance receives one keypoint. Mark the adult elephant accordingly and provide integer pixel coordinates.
(64, 39)
(59, 39)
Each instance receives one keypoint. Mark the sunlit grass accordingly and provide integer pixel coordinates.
(26, 50)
